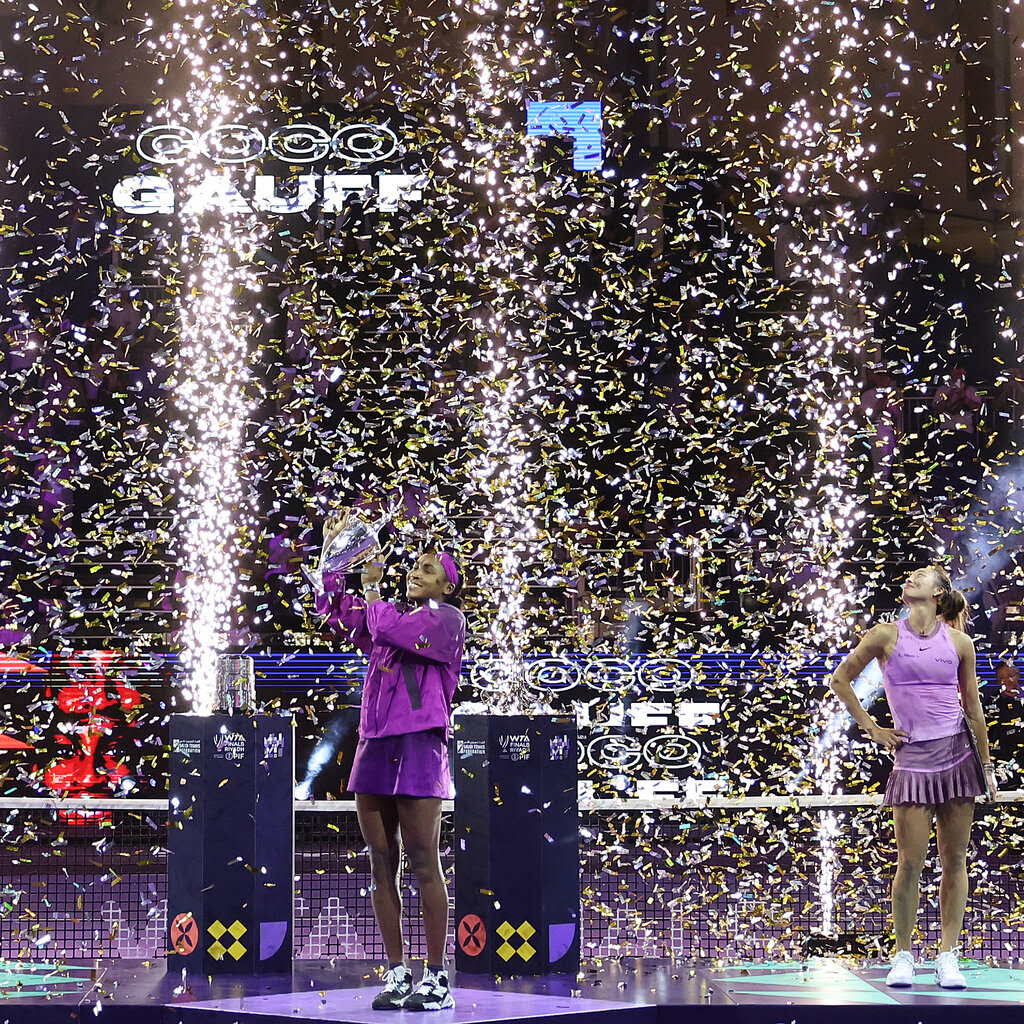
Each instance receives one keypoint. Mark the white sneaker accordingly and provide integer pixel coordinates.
(434, 992)
(947, 970)
(397, 986)
(901, 971)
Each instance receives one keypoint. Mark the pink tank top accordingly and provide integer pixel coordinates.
(921, 685)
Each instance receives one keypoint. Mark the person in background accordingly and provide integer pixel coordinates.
(1007, 715)
(1007, 404)
(1008, 678)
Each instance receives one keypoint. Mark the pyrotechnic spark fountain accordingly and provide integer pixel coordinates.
(507, 534)
(827, 512)
(824, 145)
(826, 757)
(504, 166)
(218, 311)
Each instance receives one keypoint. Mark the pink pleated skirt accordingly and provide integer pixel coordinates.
(934, 771)
(410, 764)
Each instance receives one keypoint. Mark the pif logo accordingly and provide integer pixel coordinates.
(515, 747)
(471, 935)
(184, 934)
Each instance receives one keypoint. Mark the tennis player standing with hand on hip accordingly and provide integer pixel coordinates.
(942, 758)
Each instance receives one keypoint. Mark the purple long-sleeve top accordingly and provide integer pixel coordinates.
(415, 659)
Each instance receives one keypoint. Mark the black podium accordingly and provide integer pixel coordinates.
(517, 871)
(230, 847)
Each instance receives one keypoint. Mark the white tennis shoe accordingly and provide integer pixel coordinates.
(901, 970)
(947, 970)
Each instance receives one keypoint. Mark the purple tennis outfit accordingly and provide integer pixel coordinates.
(937, 762)
(405, 719)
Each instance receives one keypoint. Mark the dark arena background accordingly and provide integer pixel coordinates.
(691, 328)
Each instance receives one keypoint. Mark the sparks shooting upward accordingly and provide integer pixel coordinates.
(218, 312)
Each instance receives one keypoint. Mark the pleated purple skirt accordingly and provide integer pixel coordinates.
(410, 764)
(933, 771)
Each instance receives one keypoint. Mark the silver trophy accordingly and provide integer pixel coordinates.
(349, 548)
(236, 684)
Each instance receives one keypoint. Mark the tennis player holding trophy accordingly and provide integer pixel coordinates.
(400, 773)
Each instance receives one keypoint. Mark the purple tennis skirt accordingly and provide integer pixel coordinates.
(410, 764)
(933, 771)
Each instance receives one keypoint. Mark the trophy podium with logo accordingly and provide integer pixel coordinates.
(517, 870)
(230, 860)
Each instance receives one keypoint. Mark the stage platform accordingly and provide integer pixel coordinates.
(630, 991)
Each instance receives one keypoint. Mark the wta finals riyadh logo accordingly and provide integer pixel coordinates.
(304, 144)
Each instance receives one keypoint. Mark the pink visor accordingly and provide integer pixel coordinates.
(451, 570)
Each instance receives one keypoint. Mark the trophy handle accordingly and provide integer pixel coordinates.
(387, 516)
(315, 577)
(365, 557)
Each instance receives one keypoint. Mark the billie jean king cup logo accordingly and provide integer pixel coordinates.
(166, 144)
